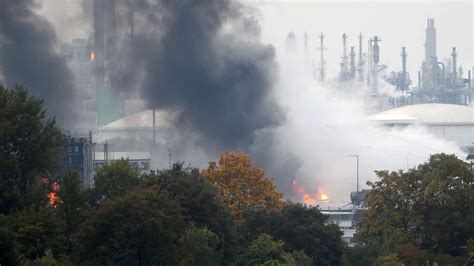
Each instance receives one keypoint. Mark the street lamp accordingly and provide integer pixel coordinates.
(356, 156)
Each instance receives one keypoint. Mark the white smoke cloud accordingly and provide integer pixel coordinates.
(326, 124)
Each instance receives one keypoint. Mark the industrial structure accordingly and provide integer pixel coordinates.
(448, 121)
(438, 82)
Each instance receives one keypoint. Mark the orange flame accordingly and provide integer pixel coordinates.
(308, 199)
(53, 197)
(92, 56)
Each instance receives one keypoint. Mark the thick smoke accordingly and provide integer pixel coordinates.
(205, 59)
(27, 56)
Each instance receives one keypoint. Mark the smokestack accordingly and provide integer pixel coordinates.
(454, 55)
(404, 69)
(376, 57)
(361, 59)
(430, 41)
(322, 48)
(104, 38)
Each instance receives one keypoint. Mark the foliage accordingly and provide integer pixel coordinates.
(49, 260)
(198, 201)
(29, 233)
(242, 186)
(298, 258)
(140, 227)
(426, 207)
(115, 179)
(30, 146)
(200, 248)
(301, 228)
(388, 260)
(263, 250)
(72, 202)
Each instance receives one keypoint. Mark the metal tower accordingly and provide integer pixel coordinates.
(322, 63)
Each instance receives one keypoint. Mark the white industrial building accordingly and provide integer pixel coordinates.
(448, 121)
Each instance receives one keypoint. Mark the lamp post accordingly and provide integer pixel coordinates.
(357, 157)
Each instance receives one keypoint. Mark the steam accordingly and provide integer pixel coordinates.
(27, 56)
(205, 59)
(326, 124)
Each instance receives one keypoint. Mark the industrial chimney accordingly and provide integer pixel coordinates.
(430, 42)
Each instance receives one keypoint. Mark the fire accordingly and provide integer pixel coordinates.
(308, 199)
(92, 56)
(53, 196)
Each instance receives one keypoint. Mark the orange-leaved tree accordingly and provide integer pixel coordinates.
(242, 186)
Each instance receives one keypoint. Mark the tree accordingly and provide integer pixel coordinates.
(263, 250)
(201, 208)
(71, 202)
(29, 233)
(427, 207)
(140, 227)
(242, 186)
(30, 146)
(115, 179)
(201, 248)
(301, 228)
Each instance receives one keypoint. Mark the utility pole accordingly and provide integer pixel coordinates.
(154, 126)
(322, 48)
(357, 157)
(169, 158)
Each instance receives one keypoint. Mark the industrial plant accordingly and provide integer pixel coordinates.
(116, 123)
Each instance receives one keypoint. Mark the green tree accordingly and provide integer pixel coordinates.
(426, 207)
(115, 179)
(141, 227)
(71, 205)
(200, 248)
(263, 250)
(29, 233)
(199, 202)
(30, 147)
(301, 228)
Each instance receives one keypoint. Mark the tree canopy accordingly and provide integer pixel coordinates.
(429, 207)
(242, 186)
(30, 147)
(301, 228)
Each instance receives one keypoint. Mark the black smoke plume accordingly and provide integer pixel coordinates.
(205, 59)
(27, 56)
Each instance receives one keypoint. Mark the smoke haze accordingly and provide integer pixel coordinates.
(326, 124)
(204, 58)
(27, 56)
